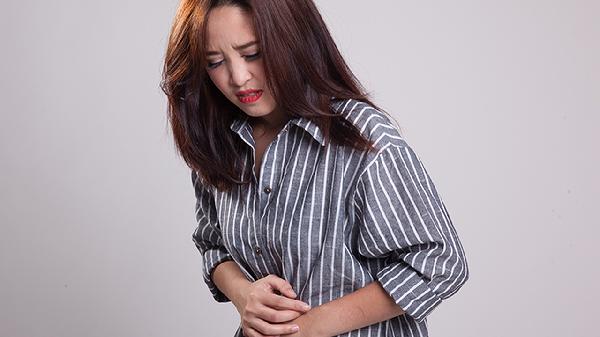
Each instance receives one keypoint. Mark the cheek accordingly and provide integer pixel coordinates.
(258, 71)
(219, 80)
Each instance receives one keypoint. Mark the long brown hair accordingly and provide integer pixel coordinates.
(299, 56)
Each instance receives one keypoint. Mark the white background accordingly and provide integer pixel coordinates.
(500, 99)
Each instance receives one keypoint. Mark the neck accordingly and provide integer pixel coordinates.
(272, 122)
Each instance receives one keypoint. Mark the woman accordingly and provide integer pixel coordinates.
(315, 217)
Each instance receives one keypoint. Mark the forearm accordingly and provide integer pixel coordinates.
(230, 280)
(365, 306)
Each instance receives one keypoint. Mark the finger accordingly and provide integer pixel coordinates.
(267, 328)
(282, 286)
(276, 316)
(250, 332)
(284, 303)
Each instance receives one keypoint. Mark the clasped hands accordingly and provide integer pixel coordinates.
(268, 308)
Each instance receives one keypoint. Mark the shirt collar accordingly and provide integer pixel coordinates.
(311, 127)
(242, 128)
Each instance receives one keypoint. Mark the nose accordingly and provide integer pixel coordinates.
(240, 74)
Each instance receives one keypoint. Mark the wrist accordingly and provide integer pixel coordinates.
(238, 297)
(311, 325)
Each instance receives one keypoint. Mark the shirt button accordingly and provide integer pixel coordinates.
(267, 190)
(257, 250)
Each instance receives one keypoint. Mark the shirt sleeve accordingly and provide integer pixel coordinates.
(402, 219)
(207, 237)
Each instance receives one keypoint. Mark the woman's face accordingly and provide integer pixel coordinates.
(235, 63)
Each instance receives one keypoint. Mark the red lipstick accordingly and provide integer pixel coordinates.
(249, 96)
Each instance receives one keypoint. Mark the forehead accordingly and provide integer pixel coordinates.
(228, 26)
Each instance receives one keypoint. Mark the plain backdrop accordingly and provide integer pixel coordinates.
(500, 99)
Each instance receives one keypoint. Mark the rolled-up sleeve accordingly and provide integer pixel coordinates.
(402, 219)
(207, 236)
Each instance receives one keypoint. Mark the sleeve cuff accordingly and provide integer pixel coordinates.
(408, 290)
(211, 258)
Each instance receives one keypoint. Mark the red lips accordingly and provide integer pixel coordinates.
(247, 92)
(249, 96)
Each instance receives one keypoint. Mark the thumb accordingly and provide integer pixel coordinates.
(283, 286)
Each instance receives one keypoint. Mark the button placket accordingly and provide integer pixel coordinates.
(264, 199)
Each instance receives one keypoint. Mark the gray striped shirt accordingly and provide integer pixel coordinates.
(330, 220)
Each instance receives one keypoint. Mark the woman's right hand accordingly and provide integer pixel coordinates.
(261, 307)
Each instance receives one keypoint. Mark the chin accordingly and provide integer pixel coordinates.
(256, 111)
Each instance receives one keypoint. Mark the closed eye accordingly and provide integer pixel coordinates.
(212, 65)
(253, 56)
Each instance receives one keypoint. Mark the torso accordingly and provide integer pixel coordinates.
(305, 229)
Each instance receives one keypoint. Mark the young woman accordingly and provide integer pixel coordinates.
(315, 216)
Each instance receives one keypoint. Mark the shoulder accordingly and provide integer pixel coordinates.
(375, 125)
(392, 149)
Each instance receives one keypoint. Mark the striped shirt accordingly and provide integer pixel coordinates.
(330, 219)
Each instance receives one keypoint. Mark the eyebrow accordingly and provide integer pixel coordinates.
(243, 46)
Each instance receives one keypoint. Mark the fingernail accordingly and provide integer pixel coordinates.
(295, 328)
(307, 307)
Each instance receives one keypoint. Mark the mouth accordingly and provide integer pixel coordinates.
(249, 96)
